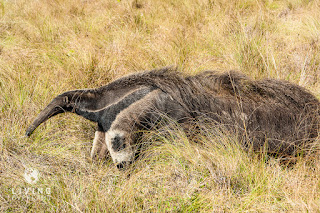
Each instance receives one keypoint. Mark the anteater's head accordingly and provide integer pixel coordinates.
(65, 102)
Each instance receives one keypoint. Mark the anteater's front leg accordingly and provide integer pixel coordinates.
(99, 146)
(121, 138)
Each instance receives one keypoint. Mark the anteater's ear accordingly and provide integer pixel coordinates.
(65, 99)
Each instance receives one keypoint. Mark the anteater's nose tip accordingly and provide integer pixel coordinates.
(28, 133)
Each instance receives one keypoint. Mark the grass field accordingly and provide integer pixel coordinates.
(51, 46)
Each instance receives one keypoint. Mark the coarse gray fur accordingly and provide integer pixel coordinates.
(277, 112)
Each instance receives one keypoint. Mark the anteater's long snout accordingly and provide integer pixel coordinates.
(54, 108)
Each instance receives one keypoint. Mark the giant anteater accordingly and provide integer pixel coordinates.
(277, 112)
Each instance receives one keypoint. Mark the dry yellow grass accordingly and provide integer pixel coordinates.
(50, 46)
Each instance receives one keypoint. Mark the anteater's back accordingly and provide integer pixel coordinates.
(279, 112)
